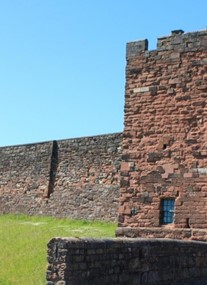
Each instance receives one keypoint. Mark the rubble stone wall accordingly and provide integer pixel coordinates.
(126, 261)
(24, 176)
(87, 178)
(165, 134)
(76, 178)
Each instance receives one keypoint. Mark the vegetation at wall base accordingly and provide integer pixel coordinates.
(23, 244)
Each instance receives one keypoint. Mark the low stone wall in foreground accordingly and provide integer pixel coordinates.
(74, 261)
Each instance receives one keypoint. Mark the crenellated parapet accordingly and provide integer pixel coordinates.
(177, 41)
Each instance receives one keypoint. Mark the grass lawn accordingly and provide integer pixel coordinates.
(23, 244)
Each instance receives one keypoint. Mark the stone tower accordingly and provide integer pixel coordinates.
(164, 162)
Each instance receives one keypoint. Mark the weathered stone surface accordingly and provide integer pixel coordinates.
(165, 135)
(134, 48)
(126, 261)
(76, 178)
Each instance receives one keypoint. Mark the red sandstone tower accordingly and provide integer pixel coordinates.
(163, 189)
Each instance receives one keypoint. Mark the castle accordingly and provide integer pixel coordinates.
(153, 176)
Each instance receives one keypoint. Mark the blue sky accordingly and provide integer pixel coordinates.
(62, 62)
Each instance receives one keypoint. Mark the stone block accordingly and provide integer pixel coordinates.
(141, 89)
(188, 175)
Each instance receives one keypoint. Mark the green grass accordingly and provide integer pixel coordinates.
(23, 244)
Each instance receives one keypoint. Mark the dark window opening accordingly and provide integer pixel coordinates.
(167, 211)
(164, 146)
(187, 223)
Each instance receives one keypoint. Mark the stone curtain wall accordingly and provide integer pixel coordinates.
(87, 178)
(165, 135)
(24, 177)
(76, 178)
(125, 261)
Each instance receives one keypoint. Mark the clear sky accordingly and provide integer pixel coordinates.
(62, 62)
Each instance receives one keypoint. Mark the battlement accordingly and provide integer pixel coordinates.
(177, 41)
(164, 154)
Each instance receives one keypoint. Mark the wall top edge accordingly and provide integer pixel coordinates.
(62, 140)
(119, 240)
(178, 40)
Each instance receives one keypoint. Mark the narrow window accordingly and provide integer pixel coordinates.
(167, 211)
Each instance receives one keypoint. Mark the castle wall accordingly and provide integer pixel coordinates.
(24, 176)
(87, 178)
(164, 140)
(76, 178)
(126, 261)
